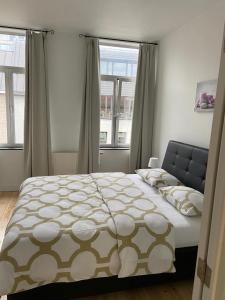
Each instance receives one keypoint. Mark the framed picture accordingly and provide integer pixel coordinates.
(205, 95)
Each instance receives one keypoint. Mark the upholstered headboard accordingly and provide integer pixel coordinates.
(188, 163)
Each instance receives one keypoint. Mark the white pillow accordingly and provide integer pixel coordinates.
(158, 177)
(186, 200)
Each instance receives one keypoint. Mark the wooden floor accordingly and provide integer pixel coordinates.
(181, 290)
(7, 203)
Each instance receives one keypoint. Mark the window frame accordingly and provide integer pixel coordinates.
(117, 89)
(9, 94)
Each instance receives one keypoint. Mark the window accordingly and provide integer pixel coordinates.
(12, 89)
(103, 137)
(118, 66)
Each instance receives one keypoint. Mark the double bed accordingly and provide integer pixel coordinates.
(84, 234)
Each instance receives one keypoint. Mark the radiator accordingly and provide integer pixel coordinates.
(110, 161)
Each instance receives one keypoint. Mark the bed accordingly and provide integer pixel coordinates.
(102, 241)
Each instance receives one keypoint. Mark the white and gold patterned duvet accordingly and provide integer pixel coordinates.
(74, 227)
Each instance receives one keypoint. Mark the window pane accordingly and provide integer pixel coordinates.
(125, 112)
(12, 50)
(18, 93)
(119, 61)
(3, 114)
(106, 112)
(119, 69)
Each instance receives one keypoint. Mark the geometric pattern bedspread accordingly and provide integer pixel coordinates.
(74, 227)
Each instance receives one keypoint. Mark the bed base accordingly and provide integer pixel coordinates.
(185, 268)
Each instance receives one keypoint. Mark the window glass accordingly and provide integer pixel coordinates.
(12, 50)
(125, 112)
(3, 114)
(12, 69)
(106, 112)
(18, 94)
(119, 61)
(118, 66)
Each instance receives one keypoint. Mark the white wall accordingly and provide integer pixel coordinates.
(66, 61)
(187, 56)
(11, 169)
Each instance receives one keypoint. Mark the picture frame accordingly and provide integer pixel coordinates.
(205, 96)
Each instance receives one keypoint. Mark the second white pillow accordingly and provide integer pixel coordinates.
(186, 200)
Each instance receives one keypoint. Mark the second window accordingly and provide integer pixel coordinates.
(118, 75)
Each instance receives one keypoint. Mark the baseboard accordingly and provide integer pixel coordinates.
(9, 188)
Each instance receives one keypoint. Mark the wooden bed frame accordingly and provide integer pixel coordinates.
(188, 163)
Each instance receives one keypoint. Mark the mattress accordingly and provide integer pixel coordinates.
(186, 229)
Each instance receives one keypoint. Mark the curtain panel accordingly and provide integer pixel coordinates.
(143, 114)
(90, 120)
(36, 119)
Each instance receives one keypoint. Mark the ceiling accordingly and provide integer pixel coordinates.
(130, 19)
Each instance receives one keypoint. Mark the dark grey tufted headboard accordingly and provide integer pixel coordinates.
(187, 163)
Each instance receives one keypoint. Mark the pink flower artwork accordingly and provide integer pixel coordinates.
(206, 95)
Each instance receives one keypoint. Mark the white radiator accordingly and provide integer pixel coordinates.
(64, 162)
(110, 161)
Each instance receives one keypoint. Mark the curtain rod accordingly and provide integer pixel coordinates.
(113, 39)
(24, 28)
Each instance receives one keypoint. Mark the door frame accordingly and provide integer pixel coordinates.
(213, 219)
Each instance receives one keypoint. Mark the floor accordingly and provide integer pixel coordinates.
(7, 203)
(181, 290)
(173, 291)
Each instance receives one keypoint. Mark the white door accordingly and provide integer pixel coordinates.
(209, 283)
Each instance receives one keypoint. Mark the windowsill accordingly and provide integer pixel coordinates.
(114, 148)
(8, 148)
